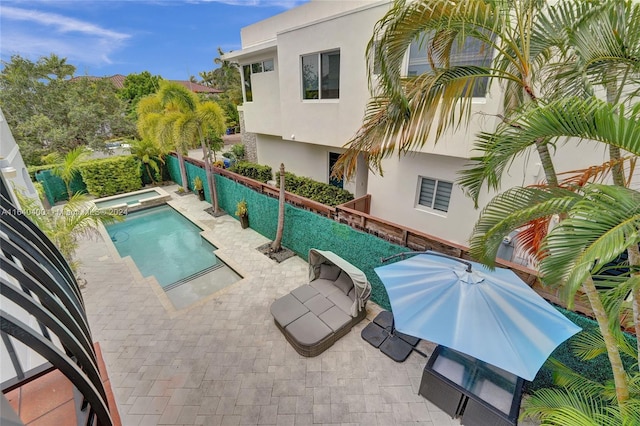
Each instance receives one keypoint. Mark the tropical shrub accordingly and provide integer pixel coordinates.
(238, 151)
(111, 176)
(318, 191)
(253, 171)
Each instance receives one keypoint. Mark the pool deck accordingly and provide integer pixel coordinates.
(223, 360)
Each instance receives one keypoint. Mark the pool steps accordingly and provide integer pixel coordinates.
(193, 276)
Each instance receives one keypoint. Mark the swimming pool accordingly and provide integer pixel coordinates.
(166, 245)
(134, 200)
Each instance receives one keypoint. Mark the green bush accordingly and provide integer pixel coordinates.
(321, 192)
(238, 151)
(253, 171)
(110, 176)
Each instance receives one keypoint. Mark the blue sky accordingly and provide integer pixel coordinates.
(174, 39)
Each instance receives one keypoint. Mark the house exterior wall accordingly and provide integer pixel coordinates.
(308, 130)
(11, 159)
(394, 196)
(306, 159)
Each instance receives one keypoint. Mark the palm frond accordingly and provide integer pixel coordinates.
(598, 173)
(597, 230)
(570, 117)
(562, 407)
(566, 378)
(174, 96)
(511, 210)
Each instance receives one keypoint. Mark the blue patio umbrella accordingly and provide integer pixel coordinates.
(491, 315)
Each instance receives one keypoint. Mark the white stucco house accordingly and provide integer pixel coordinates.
(303, 117)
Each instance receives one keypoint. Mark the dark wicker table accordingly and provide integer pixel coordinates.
(462, 386)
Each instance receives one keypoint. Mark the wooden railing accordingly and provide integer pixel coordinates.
(355, 214)
(362, 204)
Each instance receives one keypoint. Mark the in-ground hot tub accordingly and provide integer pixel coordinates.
(133, 201)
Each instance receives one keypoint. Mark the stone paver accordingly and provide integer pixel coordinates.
(222, 360)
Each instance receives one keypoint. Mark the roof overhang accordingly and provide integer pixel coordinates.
(239, 55)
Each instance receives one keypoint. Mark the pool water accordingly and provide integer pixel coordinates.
(127, 199)
(163, 243)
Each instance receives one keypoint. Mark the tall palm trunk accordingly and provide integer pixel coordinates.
(634, 260)
(213, 191)
(541, 144)
(183, 170)
(617, 172)
(619, 374)
(277, 243)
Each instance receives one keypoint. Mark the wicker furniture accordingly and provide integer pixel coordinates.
(314, 316)
(479, 393)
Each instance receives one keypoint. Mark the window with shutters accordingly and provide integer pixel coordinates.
(434, 194)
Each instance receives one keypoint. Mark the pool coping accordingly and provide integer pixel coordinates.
(163, 197)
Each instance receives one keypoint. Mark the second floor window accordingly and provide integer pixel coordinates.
(321, 75)
(255, 68)
(472, 52)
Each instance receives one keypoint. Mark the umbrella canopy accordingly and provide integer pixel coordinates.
(491, 315)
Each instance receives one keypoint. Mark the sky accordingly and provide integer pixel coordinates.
(171, 38)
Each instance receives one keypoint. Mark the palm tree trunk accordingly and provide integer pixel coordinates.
(541, 146)
(547, 163)
(213, 191)
(153, 182)
(619, 374)
(183, 170)
(634, 260)
(613, 95)
(277, 243)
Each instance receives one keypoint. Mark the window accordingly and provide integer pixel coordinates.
(246, 73)
(254, 68)
(434, 194)
(321, 75)
(473, 52)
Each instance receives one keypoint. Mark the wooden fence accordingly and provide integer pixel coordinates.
(355, 214)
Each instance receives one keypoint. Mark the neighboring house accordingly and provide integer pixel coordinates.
(304, 75)
(118, 82)
(12, 165)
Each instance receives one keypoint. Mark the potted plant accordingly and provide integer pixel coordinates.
(198, 187)
(242, 213)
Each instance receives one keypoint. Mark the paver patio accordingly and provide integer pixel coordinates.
(223, 361)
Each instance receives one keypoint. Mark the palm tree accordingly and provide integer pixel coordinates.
(70, 167)
(403, 111)
(156, 121)
(601, 222)
(149, 154)
(198, 121)
(64, 226)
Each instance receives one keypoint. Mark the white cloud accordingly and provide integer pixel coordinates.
(61, 23)
(33, 33)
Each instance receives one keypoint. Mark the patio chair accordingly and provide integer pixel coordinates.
(314, 316)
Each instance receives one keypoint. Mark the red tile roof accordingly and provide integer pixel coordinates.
(118, 81)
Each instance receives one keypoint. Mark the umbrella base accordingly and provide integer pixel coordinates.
(396, 348)
(380, 334)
